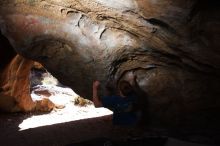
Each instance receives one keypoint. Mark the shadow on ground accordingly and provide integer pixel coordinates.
(90, 132)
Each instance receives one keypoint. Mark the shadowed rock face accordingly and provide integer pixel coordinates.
(172, 47)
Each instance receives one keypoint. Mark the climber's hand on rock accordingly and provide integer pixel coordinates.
(96, 84)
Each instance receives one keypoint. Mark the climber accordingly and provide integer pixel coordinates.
(124, 104)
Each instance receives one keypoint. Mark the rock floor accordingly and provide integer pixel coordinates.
(74, 124)
(90, 132)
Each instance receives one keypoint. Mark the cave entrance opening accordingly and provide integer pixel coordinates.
(69, 106)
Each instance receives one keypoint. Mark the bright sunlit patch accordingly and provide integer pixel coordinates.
(65, 115)
(71, 112)
(46, 86)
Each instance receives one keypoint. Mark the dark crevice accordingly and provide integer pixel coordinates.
(115, 65)
(161, 24)
(102, 33)
(102, 17)
(7, 52)
(80, 19)
(130, 32)
(71, 12)
(204, 5)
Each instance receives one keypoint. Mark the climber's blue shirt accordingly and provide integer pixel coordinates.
(123, 109)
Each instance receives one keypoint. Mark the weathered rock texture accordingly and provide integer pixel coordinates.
(172, 47)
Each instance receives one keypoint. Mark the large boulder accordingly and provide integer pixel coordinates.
(171, 46)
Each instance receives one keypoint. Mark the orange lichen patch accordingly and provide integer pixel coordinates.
(15, 83)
